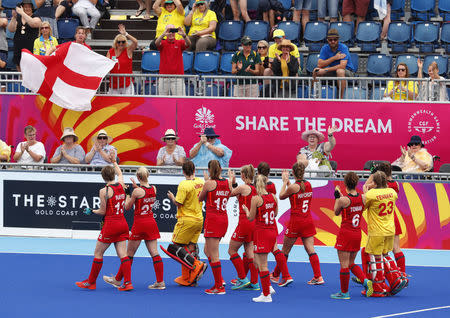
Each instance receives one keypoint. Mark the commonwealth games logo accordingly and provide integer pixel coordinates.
(204, 118)
(426, 124)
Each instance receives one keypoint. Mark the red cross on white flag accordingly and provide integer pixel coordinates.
(69, 78)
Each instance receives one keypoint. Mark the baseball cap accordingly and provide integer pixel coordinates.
(246, 40)
(278, 33)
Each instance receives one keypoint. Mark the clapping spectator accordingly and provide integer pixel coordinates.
(170, 12)
(46, 11)
(102, 153)
(203, 23)
(210, 148)
(30, 151)
(315, 155)
(171, 154)
(263, 50)
(285, 65)
(432, 90)
(414, 158)
(5, 151)
(85, 9)
(122, 54)
(239, 11)
(278, 36)
(46, 43)
(399, 89)
(69, 152)
(335, 61)
(246, 63)
(171, 60)
(26, 28)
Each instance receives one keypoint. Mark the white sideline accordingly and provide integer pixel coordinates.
(412, 312)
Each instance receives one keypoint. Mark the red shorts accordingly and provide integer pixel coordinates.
(216, 225)
(145, 229)
(244, 231)
(114, 231)
(300, 227)
(264, 240)
(358, 7)
(348, 241)
(398, 228)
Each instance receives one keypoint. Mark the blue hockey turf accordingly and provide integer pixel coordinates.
(40, 285)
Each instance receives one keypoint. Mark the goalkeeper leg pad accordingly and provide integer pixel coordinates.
(180, 254)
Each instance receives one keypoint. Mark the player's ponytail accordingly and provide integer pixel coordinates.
(380, 179)
(261, 182)
(298, 169)
(215, 170)
(248, 171)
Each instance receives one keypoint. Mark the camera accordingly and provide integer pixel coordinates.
(173, 30)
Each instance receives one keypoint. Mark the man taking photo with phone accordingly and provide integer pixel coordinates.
(171, 60)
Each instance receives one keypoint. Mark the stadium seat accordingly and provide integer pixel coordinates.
(346, 32)
(291, 30)
(445, 37)
(10, 66)
(369, 163)
(442, 62)
(355, 60)
(410, 61)
(397, 10)
(150, 62)
(225, 63)
(368, 36)
(206, 62)
(188, 62)
(426, 36)
(315, 35)
(257, 31)
(10, 4)
(355, 93)
(398, 36)
(444, 9)
(379, 65)
(311, 62)
(213, 89)
(66, 29)
(230, 34)
(422, 9)
(445, 168)
(303, 91)
(377, 93)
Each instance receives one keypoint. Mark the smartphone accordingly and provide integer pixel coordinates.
(173, 30)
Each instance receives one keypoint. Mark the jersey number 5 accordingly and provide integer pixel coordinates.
(386, 209)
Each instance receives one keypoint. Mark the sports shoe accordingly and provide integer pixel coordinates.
(340, 295)
(263, 299)
(241, 283)
(198, 271)
(252, 287)
(157, 285)
(356, 280)
(274, 279)
(233, 281)
(316, 281)
(126, 287)
(285, 282)
(368, 285)
(215, 291)
(111, 280)
(85, 284)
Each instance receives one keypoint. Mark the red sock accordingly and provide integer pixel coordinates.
(119, 275)
(246, 262)
(159, 268)
(265, 282)
(276, 270)
(126, 269)
(400, 259)
(238, 264)
(365, 262)
(97, 264)
(253, 272)
(357, 271)
(315, 264)
(282, 264)
(344, 275)
(217, 272)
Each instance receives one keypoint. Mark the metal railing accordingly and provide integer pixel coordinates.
(218, 86)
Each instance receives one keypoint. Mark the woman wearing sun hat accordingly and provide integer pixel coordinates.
(285, 65)
(101, 149)
(316, 153)
(69, 152)
(171, 154)
(414, 158)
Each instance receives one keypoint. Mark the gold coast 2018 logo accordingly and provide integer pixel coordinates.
(204, 118)
(425, 123)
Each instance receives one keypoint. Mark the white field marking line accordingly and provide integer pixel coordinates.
(413, 312)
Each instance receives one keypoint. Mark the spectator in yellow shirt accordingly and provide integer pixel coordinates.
(401, 90)
(46, 43)
(203, 23)
(278, 36)
(170, 12)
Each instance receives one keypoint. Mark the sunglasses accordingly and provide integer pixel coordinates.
(44, 28)
(415, 144)
(401, 70)
(262, 47)
(333, 40)
(121, 42)
(102, 138)
(169, 138)
(210, 138)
